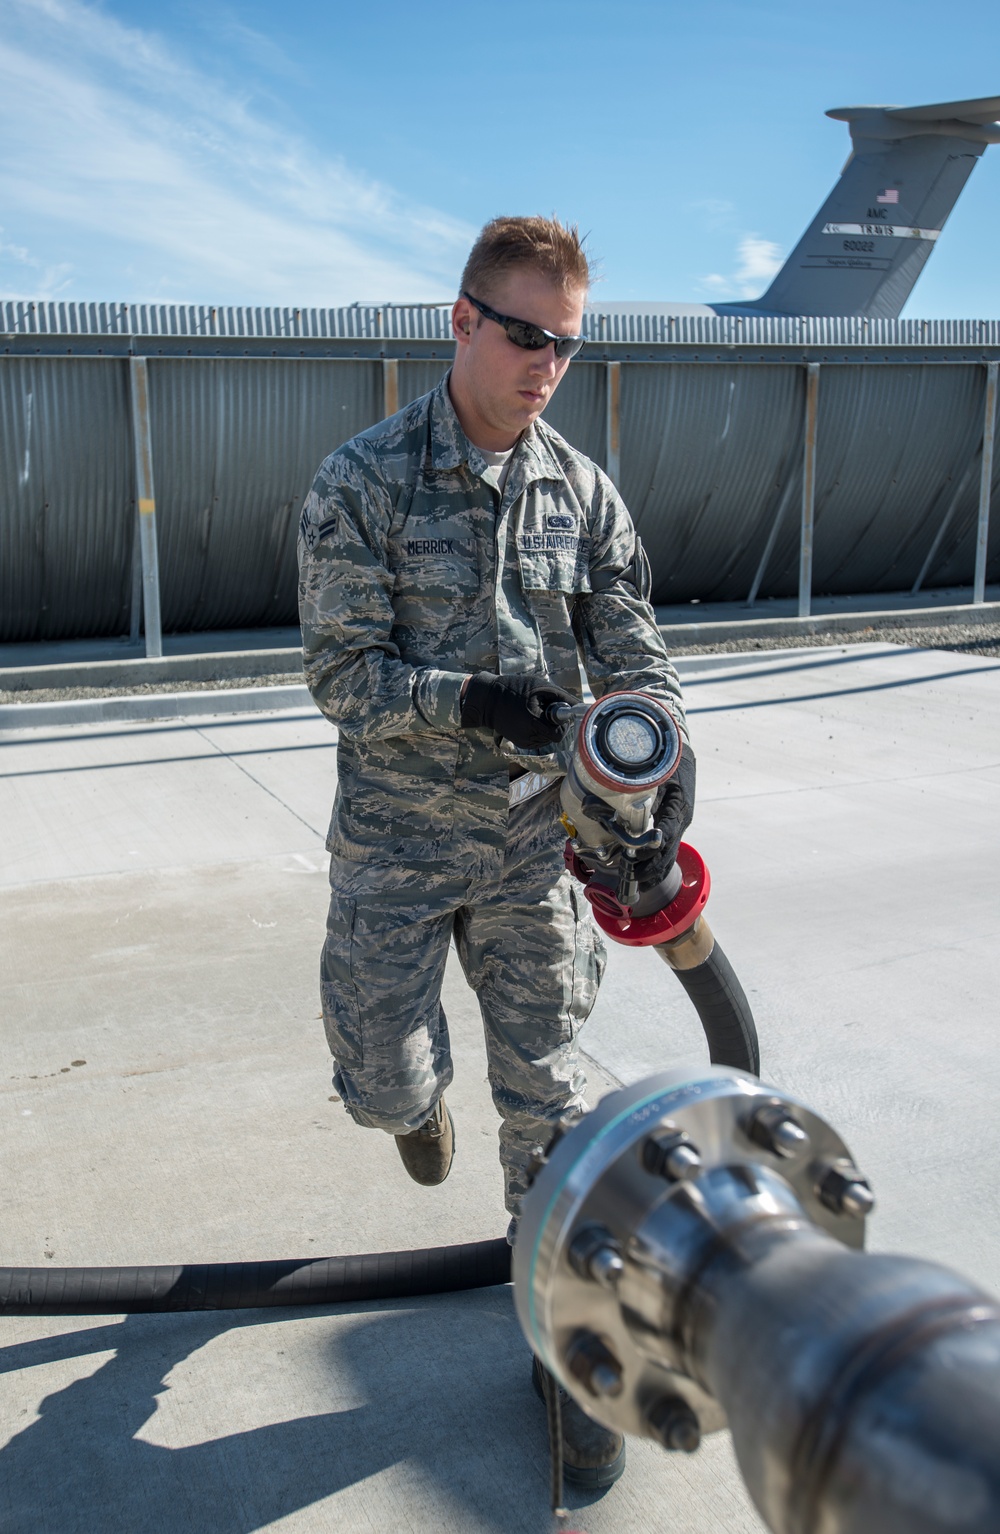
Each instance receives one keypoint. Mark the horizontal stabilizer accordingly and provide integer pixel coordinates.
(975, 120)
(985, 109)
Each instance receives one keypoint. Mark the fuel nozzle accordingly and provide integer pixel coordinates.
(626, 747)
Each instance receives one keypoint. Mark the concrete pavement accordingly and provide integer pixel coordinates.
(164, 1092)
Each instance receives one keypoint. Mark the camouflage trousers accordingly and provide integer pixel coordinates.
(529, 950)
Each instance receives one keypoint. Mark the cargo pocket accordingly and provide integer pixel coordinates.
(339, 998)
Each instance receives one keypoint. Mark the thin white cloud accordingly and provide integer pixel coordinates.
(757, 261)
(224, 25)
(130, 159)
(715, 212)
(36, 279)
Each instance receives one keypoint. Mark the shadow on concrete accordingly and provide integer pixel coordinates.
(444, 1384)
(835, 692)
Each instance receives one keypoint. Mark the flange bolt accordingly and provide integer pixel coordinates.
(842, 1188)
(675, 1425)
(668, 1153)
(592, 1362)
(773, 1128)
(596, 1254)
(606, 1267)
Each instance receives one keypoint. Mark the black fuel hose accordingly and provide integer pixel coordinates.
(247, 1285)
(725, 1014)
(729, 1029)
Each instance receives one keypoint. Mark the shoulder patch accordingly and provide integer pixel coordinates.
(313, 533)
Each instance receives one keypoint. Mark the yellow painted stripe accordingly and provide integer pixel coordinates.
(146, 508)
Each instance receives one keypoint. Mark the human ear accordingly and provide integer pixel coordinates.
(461, 321)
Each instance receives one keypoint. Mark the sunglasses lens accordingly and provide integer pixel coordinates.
(529, 337)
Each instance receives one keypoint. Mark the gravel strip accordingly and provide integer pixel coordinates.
(966, 639)
(143, 689)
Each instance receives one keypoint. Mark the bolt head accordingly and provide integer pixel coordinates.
(843, 1189)
(606, 1266)
(668, 1153)
(857, 1199)
(685, 1435)
(675, 1424)
(683, 1162)
(774, 1129)
(788, 1138)
(606, 1380)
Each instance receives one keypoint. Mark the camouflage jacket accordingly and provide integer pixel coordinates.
(414, 571)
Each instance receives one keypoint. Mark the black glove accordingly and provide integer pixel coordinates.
(513, 707)
(673, 816)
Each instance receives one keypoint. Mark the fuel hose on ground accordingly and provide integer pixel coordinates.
(247, 1285)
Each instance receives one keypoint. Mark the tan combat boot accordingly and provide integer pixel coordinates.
(427, 1152)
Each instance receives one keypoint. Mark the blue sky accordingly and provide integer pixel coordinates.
(318, 153)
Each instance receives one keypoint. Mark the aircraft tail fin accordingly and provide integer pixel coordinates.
(869, 242)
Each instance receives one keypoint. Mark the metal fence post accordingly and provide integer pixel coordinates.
(142, 443)
(390, 385)
(808, 490)
(985, 483)
(612, 451)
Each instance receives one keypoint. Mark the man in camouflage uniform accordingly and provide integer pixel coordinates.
(456, 563)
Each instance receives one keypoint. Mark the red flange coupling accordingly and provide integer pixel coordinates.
(662, 926)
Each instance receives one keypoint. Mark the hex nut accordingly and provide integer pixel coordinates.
(675, 1424)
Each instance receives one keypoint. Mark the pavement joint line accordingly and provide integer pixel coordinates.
(229, 757)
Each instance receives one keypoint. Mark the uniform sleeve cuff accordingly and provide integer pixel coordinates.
(438, 698)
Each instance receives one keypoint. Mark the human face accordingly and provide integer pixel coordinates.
(498, 389)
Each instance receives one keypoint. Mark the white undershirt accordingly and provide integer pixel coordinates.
(501, 463)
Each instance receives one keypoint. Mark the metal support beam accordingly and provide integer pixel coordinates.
(390, 385)
(808, 490)
(985, 483)
(613, 394)
(146, 498)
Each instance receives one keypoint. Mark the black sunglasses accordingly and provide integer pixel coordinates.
(529, 337)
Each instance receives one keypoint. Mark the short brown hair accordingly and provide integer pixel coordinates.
(543, 243)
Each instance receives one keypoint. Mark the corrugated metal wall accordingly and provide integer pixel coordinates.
(711, 432)
(433, 322)
(235, 446)
(67, 511)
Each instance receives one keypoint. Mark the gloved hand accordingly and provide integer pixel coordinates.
(673, 816)
(513, 707)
